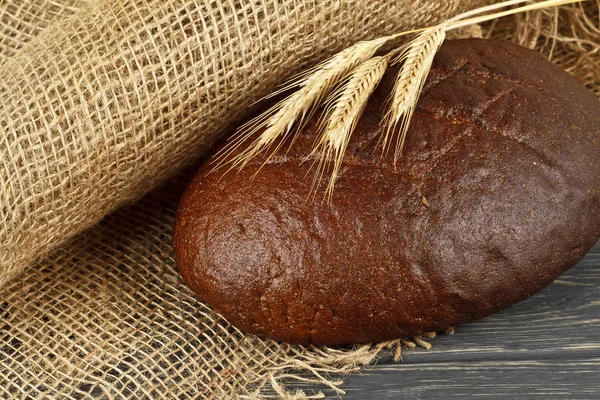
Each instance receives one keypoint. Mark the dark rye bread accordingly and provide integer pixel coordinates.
(496, 195)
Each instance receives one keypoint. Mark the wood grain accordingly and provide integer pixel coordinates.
(546, 347)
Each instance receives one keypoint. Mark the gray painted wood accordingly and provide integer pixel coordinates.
(546, 347)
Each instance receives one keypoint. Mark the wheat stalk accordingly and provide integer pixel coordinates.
(346, 105)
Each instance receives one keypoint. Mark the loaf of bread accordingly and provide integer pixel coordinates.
(497, 194)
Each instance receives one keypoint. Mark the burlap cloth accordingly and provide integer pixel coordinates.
(104, 100)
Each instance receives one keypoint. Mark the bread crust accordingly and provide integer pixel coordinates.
(497, 194)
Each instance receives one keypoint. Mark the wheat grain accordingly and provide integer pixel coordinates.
(288, 115)
(418, 57)
(346, 105)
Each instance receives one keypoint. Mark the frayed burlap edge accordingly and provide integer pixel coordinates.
(320, 366)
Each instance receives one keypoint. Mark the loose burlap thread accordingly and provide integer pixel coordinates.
(109, 101)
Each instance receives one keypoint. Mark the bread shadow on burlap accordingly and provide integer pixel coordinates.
(106, 314)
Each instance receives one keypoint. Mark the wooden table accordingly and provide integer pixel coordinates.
(547, 347)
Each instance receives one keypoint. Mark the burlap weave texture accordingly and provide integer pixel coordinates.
(107, 102)
(21, 21)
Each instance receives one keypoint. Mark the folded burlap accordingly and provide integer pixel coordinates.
(102, 101)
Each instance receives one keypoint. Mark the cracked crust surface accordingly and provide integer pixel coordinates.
(498, 192)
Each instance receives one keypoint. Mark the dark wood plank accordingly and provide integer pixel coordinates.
(545, 347)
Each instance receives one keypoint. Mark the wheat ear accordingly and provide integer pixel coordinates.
(288, 115)
(345, 106)
(417, 56)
